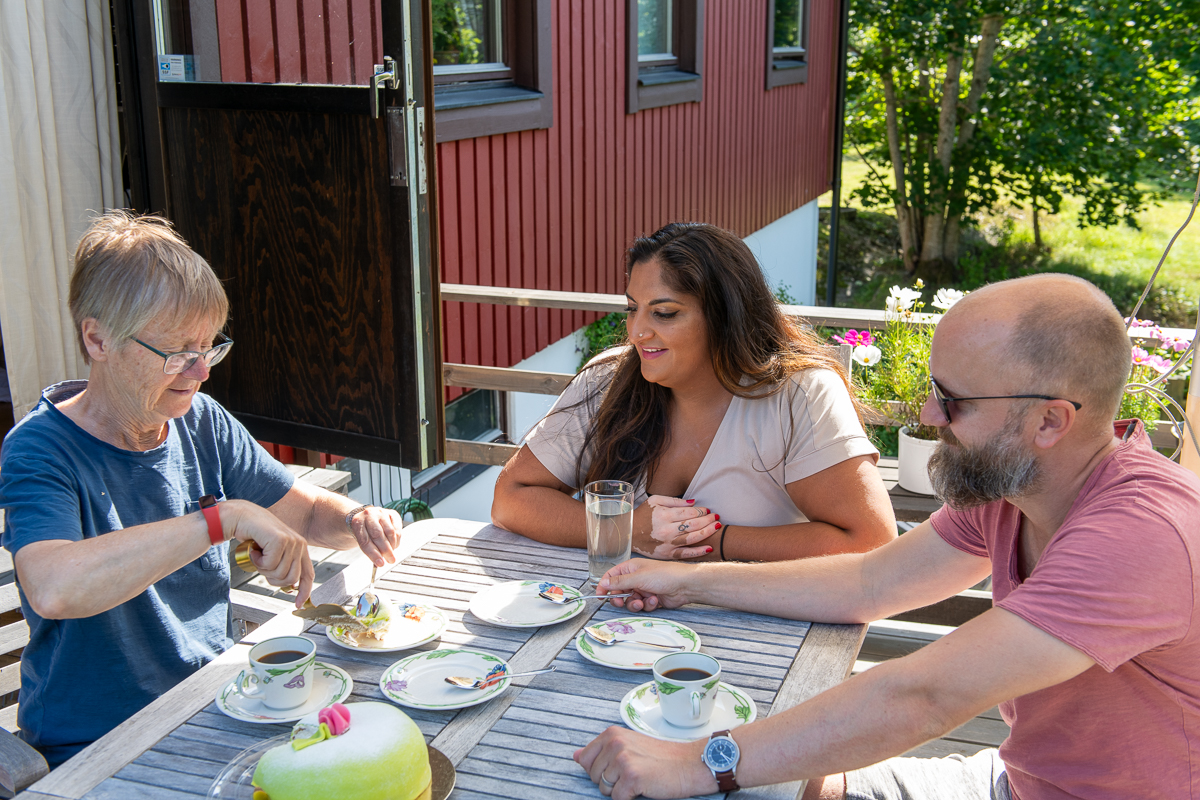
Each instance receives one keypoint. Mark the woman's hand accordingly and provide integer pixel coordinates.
(284, 559)
(377, 531)
(677, 527)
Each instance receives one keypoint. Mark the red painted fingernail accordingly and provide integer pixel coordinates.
(718, 526)
(691, 501)
(707, 550)
(718, 516)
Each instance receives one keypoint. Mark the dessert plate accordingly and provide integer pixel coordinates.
(233, 782)
(640, 711)
(416, 624)
(419, 681)
(330, 685)
(628, 655)
(515, 604)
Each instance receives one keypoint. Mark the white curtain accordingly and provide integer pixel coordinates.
(59, 164)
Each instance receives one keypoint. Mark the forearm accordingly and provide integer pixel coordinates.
(881, 713)
(326, 523)
(70, 580)
(542, 514)
(828, 589)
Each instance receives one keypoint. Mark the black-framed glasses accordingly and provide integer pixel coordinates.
(944, 400)
(175, 363)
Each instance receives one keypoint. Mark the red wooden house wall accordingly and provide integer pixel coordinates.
(556, 208)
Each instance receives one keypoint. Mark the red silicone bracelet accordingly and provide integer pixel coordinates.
(208, 506)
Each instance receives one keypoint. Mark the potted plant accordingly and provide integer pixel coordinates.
(1154, 355)
(893, 378)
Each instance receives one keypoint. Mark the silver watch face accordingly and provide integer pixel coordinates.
(721, 754)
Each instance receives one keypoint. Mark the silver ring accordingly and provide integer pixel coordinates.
(607, 783)
(683, 526)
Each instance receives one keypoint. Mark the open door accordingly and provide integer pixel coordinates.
(291, 143)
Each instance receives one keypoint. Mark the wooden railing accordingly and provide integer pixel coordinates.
(507, 379)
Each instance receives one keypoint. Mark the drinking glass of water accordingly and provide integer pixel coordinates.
(609, 507)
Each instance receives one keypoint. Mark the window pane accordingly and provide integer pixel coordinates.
(466, 32)
(654, 29)
(788, 24)
(473, 416)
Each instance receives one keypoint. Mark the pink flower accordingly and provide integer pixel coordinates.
(855, 338)
(1160, 364)
(1176, 345)
(1140, 357)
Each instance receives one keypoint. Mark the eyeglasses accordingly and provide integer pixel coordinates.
(944, 400)
(175, 363)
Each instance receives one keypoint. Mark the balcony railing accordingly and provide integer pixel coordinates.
(508, 379)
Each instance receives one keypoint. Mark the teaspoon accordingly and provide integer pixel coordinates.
(483, 683)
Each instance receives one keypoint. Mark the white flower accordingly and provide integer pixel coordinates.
(866, 354)
(946, 298)
(904, 298)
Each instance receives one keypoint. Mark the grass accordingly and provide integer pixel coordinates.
(1124, 253)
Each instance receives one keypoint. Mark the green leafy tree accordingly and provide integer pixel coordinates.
(964, 103)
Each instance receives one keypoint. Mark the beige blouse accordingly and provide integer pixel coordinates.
(761, 446)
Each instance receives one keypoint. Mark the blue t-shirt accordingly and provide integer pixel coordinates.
(80, 678)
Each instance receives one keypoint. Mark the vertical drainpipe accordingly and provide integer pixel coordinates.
(839, 127)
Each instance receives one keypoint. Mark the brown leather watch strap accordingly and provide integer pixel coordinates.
(726, 781)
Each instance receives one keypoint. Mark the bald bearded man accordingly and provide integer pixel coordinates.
(1091, 538)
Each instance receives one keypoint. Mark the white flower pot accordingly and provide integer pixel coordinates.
(914, 463)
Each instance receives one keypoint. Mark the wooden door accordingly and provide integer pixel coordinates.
(317, 214)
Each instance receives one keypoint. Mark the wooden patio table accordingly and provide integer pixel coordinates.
(517, 745)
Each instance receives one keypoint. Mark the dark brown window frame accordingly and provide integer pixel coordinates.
(684, 83)
(786, 70)
(484, 106)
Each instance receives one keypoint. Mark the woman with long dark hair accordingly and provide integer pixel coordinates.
(735, 425)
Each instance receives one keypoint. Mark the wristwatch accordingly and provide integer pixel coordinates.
(208, 506)
(721, 756)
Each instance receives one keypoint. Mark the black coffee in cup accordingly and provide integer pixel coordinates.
(285, 657)
(686, 674)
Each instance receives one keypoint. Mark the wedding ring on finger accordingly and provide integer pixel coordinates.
(606, 782)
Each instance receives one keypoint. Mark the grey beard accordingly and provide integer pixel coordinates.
(966, 477)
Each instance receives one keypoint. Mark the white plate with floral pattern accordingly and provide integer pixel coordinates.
(414, 624)
(419, 681)
(330, 685)
(629, 655)
(640, 711)
(516, 604)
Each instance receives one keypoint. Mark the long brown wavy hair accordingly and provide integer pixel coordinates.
(754, 348)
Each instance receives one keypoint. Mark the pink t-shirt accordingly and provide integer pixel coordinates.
(1117, 582)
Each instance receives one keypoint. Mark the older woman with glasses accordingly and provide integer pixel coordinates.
(122, 491)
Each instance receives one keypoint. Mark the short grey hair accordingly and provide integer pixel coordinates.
(130, 269)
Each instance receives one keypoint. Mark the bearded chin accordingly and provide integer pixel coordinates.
(966, 477)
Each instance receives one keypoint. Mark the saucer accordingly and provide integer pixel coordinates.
(330, 685)
(515, 604)
(629, 655)
(419, 681)
(235, 780)
(640, 711)
(417, 624)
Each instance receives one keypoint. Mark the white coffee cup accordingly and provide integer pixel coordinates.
(280, 675)
(687, 688)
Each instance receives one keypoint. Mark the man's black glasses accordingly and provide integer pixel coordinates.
(944, 400)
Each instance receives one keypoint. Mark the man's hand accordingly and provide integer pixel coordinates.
(282, 556)
(377, 531)
(654, 584)
(625, 764)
